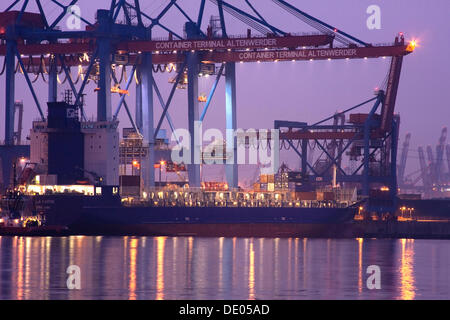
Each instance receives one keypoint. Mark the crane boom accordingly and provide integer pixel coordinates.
(423, 168)
(440, 155)
(431, 165)
(403, 158)
(447, 149)
(229, 56)
(168, 46)
(387, 109)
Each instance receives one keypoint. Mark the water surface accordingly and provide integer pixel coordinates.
(222, 268)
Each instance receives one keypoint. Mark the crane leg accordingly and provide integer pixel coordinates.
(231, 167)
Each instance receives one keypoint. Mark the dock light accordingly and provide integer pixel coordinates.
(135, 163)
(411, 46)
(384, 188)
(162, 163)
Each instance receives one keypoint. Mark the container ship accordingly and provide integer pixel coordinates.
(175, 211)
(187, 212)
(72, 183)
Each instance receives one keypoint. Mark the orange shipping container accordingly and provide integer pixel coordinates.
(306, 195)
(328, 196)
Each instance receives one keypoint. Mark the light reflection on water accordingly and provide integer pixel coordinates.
(407, 270)
(222, 268)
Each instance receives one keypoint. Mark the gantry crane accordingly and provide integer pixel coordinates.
(434, 175)
(440, 149)
(36, 43)
(370, 138)
(403, 158)
(425, 169)
(447, 149)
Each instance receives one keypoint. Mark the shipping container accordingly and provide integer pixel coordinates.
(305, 195)
(360, 118)
(129, 181)
(328, 196)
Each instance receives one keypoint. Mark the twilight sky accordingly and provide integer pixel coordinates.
(302, 91)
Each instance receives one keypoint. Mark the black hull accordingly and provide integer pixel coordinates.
(83, 215)
(271, 230)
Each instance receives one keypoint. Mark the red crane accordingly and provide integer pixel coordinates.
(36, 45)
(218, 50)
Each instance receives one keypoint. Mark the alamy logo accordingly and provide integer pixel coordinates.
(74, 279)
(374, 280)
(374, 20)
(263, 147)
(73, 21)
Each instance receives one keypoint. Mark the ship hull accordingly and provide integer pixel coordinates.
(207, 222)
(268, 230)
(84, 216)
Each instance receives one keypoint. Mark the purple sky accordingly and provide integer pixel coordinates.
(305, 91)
